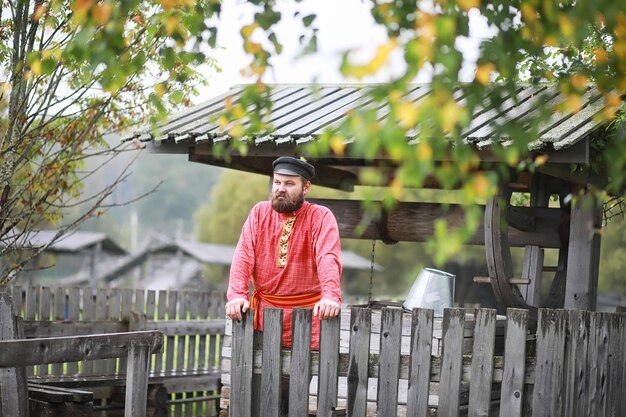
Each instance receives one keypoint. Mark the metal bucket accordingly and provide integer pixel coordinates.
(432, 289)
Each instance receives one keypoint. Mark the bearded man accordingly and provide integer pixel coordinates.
(289, 249)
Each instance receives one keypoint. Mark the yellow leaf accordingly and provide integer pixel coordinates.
(247, 30)
(397, 188)
(168, 4)
(451, 113)
(529, 13)
(579, 81)
(480, 185)
(160, 89)
(620, 49)
(35, 66)
(572, 104)
(541, 159)
(466, 5)
(613, 101)
(338, 144)
(236, 131)
(407, 114)
(39, 12)
(566, 26)
(171, 24)
(380, 58)
(601, 56)
(484, 71)
(423, 151)
(222, 121)
(80, 9)
(238, 112)
(102, 13)
(620, 26)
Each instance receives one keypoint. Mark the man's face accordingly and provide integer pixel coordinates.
(288, 192)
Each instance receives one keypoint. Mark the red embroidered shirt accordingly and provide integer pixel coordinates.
(312, 263)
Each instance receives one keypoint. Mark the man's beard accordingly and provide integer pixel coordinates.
(287, 204)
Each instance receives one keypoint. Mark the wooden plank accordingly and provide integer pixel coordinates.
(74, 348)
(191, 300)
(102, 297)
(615, 383)
(89, 315)
(591, 403)
(512, 391)
(241, 366)
(202, 343)
(13, 396)
(482, 363)
(137, 380)
(73, 313)
(300, 362)
(187, 327)
(270, 399)
(414, 222)
(59, 314)
(328, 367)
(575, 361)
(126, 307)
(72, 328)
(389, 362)
(30, 313)
(160, 315)
(113, 311)
(551, 333)
(45, 310)
(172, 301)
(583, 248)
(179, 409)
(360, 327)
(451, 363)
(419, 374)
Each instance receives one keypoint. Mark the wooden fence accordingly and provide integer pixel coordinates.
(574, 365)
(188, 368)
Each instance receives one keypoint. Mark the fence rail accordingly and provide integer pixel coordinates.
(192, 321)
(575, 365)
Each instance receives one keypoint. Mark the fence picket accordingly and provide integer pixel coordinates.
(482, 363)
(419, 373)
(45, 308)
(512, 393)
(547, 397)
(271, 375)
(327, 381)
(389, 362)
(300, 368)
(615, 382)
(89, 314)
(450, 386)
(360, 329)
(241, 366)
(58, 314)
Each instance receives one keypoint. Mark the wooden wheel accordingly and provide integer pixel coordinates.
(505, 285)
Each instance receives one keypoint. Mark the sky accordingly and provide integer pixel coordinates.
(343, 25)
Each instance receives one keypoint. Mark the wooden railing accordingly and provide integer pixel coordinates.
(188, 366)
(574, 365)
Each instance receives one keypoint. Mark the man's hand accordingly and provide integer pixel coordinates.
(326, 309)
(236, 306)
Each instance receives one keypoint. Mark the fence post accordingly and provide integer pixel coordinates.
(300, 369)
(360, 329)
(482, 363)
(419, 374)
(241, 366)
(13, 394)
(389, 362)
(137, 380)
(512, 394)
(451, 362)
(327, 380)
(271, 375)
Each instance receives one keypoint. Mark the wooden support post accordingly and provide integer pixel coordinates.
(12, 380)
(137, 380)
(583, 255)
(532, 267)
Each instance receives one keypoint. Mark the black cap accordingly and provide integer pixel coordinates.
(288, 165)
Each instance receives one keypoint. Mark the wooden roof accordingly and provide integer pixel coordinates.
(302, 112)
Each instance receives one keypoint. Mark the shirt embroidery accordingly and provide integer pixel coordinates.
(284, 241)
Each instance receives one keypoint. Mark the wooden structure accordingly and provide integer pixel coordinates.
(301, 113)
(15, 355)
(574, 367)
(183, 379)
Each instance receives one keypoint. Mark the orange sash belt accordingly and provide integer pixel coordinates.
(282, 301)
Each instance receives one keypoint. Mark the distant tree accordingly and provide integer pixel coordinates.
(69, 73)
